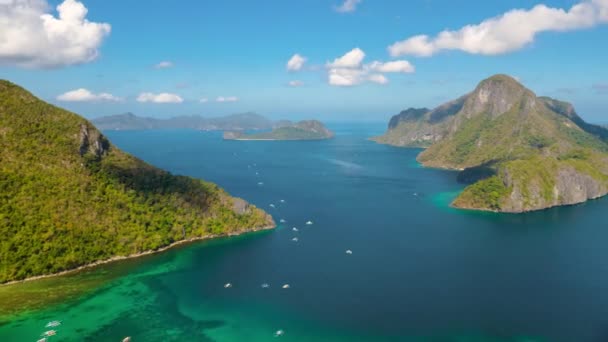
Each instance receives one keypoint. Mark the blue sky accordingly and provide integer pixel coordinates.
(239, 50)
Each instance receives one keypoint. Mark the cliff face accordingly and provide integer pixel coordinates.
(539, 151)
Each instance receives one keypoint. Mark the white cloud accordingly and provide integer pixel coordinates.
(31, 37)
(351, 59)
(296, 63)
(84, 95)
(164, 65)
(159, 98)
(393, 66)
(348, 6)
(295, 83)
(378, 78)
(204, 100)
(226, 99)
(349, 69)
(508, 32)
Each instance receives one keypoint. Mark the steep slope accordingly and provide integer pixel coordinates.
(303, 130)
(68, 197)
(522, 152)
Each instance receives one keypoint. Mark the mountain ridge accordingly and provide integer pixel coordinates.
(539, 151)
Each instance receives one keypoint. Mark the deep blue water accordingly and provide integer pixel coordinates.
(419, 269)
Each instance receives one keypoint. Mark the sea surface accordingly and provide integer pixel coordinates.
(419, 270)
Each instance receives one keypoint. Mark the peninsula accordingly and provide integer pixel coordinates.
(69, 198)
(519, 152)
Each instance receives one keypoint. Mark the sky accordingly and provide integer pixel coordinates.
(334, 60)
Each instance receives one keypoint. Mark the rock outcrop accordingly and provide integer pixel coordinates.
(539, 152)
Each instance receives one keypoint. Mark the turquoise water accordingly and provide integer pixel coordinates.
(419, 271)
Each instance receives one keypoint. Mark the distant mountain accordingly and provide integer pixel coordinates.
(286, 130)
(69, 198)
(236, 122)
(520, 152)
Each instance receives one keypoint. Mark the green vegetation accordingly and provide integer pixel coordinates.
(485, 194)
(539, 146)
(69, 198)
(303, 130)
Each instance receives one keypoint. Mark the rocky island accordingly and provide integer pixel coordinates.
(303, 130)
(69, 198)
(519, 152)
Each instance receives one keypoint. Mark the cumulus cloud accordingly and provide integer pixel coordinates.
(84, 95)
(164, 65)
(296, 63)
(222, 99)
(351, 59)
(508, 32)
(31, 37)
(349, 69)
(348, 6)
(159, 98)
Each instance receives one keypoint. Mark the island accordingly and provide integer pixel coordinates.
(516, 151)
(303, 130)
(69, 198)
(237, 122)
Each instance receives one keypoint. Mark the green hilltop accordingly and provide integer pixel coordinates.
(303, 130)
(518, 151)
(69, 198)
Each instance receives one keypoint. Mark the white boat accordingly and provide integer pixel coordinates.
(279, 333)
(282, 221)
(286, 286)
(260, 183)
(42, 340)
(295, 239)
(294, 229)
(265, 285)
(53, 324)
(49, 333)
(227, 285)
(348, 251)
(309, 223)
(272, 205)
(282, 201)
(127, 339)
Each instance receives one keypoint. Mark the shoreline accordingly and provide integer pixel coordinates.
(137, 255)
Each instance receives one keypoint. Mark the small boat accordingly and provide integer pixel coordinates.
(265, 285)
(49, 333)
(282, 221)
(227, 285)
(279, 333)
(42, 340)
(309, 223)
(127, 339)
(260, 183)
(295, 239)
(282, 201)
(286, 286)
(294, 229)
(348, 251)
(53, 324)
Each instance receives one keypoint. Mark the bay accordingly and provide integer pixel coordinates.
(419, 270)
